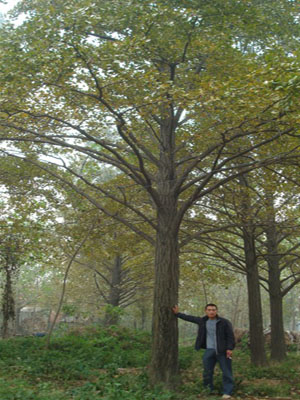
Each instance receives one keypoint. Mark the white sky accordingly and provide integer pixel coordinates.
(6, 7)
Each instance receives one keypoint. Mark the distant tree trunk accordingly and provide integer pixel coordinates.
(143, 311)
(292, 305)
(257, 342)
(235, 313)
(111, 316)
(19, 329)
(278, 347)
(10, 256)
(204, 291)
(8, 305)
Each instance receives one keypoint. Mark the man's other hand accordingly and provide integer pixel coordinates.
(229, 354)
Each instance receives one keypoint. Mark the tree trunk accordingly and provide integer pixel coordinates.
(257, 342)
(164, 363)
(236, 310)
(8, 305)
(111, 314)
(18, 324)
(292, 305)
(278, 347)
(143, 317)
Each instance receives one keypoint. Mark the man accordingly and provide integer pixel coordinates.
(215, 335)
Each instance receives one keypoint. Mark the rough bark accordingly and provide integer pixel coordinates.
(164, 362)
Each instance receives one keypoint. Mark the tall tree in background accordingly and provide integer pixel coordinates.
(160, 91)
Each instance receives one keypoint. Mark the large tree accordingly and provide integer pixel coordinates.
(160, 91)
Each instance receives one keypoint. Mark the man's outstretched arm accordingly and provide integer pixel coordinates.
(189, 318)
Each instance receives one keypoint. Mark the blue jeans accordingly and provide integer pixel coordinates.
(210, 359)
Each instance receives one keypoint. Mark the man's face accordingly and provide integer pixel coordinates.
(211, 312)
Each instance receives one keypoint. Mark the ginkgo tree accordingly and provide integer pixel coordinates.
(161, 92)
(114, 264)
(24, 231)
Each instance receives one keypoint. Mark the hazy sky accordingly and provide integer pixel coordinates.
(5, 7)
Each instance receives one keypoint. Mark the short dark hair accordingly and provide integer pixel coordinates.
(210, 305)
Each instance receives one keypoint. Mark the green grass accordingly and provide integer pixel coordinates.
(111, 364)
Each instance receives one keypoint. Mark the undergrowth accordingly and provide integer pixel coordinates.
(111, 364)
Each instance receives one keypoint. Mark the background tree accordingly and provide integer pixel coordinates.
(274, 230)
(23, 215)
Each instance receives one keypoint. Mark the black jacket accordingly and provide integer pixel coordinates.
(224, 332)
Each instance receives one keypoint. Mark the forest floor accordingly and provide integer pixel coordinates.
(111, 364)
